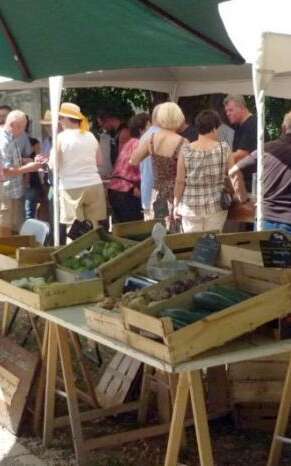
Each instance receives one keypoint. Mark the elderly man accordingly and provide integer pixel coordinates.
(245, 136)
(11, 185)
(277, 179)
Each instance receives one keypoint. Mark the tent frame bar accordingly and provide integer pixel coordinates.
(177, 22)
(18, 57)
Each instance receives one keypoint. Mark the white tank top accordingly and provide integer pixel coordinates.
(77, 163)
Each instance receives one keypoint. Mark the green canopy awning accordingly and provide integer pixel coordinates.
(41, 38)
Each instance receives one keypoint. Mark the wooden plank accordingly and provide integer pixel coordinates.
(243, 237)
(134, 229)
(29, 256)
(7, 262)
(84, 368)
(145, 393)
(256, 391)
(115, 440)
(72, 401)
(229, 253)
(17, 369)
(282, 421)
(106, 322)
(177, 422)
(40, 384)
(18, 241)
(143, 321)
(200, 418)
(6, 315)
(51, 375)
(263, 369)
(94, 414)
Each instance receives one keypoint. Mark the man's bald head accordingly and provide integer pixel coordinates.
(16, 122)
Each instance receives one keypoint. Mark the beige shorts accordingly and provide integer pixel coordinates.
(11, 213)
(211, 223)
(86, 203)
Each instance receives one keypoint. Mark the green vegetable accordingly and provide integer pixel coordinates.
(211, 301)
(183, 317)
(234, 294)
(98, 247)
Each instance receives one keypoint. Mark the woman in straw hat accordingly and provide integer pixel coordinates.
(81, 189)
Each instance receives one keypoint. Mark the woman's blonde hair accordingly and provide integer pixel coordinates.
(169, 116)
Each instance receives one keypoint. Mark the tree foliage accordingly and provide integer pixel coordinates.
(126, 102)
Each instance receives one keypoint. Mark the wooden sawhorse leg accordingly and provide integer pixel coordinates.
(58, 345)
(282, 421)
(189, 382)
(7, 308)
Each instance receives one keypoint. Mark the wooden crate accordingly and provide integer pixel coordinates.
(270, 286)
(109, 270)
(110, 323)
(242, 246)
(51, 296)
(258, 381)
(255, 389)
(9, 244)
(138, 231)
(34, 256)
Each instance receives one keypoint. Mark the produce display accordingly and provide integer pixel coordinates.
(32, 283)
(99, 253)
(204, 303)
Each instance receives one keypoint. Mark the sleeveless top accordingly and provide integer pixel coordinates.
(164, 168)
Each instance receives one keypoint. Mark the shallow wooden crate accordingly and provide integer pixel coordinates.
(51, 296)
(34, 256)
(110, 270)
(138, 231)
(9, 244)
(110, 323)
(272, 300)
(241, 246)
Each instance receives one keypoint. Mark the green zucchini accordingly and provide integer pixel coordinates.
(234, 294)
(183, 317)
(211, 301)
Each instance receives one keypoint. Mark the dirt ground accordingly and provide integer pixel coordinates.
(231, 446)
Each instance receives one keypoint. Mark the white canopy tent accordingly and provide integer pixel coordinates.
(178, 82)
(267, 46)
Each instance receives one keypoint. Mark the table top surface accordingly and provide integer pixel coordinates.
(243, 349)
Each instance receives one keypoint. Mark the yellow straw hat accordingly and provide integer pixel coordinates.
(47, 118)
(69, 110)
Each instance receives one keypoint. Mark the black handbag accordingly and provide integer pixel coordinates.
(225, 197)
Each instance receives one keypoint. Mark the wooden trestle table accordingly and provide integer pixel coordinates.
(72, 319)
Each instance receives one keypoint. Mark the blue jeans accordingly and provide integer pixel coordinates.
(271, 225)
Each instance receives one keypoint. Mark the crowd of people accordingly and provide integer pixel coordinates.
(157, 166)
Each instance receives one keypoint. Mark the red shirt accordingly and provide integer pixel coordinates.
(123, 169)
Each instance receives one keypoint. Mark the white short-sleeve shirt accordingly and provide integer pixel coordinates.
(77, 162)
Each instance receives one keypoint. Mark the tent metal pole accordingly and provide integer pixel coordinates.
(260, 103)
(55, 86)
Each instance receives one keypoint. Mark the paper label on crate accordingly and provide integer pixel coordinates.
(8, 385)
(276, 251)
(206, 249)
